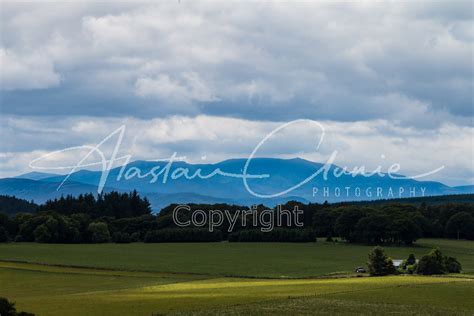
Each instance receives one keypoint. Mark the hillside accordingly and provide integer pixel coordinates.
(183, 182)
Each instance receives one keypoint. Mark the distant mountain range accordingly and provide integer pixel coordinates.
(222, 182)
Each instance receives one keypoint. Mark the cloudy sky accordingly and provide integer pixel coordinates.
(390, 82)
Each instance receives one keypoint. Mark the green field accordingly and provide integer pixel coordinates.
(141, 279)
(227, 259)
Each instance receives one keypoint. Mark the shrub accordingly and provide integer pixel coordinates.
(390, 268)
(7, 308)
(410, 269)
(452, 265)
(411, 259)
(379, 264)
(432, 263)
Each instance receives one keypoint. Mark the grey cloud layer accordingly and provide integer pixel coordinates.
(211, 80)
(406, 63)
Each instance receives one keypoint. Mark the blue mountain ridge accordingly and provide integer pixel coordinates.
(36, 175)
(282, 174)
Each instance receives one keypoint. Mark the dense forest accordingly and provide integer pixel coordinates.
(126, 217)
(12, 205)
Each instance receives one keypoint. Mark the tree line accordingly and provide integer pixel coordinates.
(11, 205)
(127, 217)
(395, 223)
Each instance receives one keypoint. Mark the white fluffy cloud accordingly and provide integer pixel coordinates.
(190, 89)
(368, 144)
(32, 71)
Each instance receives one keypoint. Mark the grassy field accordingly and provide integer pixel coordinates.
(142, 279)
(71, 291)
(228, 259)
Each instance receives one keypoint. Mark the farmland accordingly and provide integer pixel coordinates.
(274, 260)
(217, 278)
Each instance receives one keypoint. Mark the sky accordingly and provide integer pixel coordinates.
(390, 82)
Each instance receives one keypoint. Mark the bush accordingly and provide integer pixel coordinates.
(8, 309)
(379, 264)
(452, 265)
(411, 268)
(432, 263)
(390, 268)
(436, 263)
(98, 232)
(411, 259)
